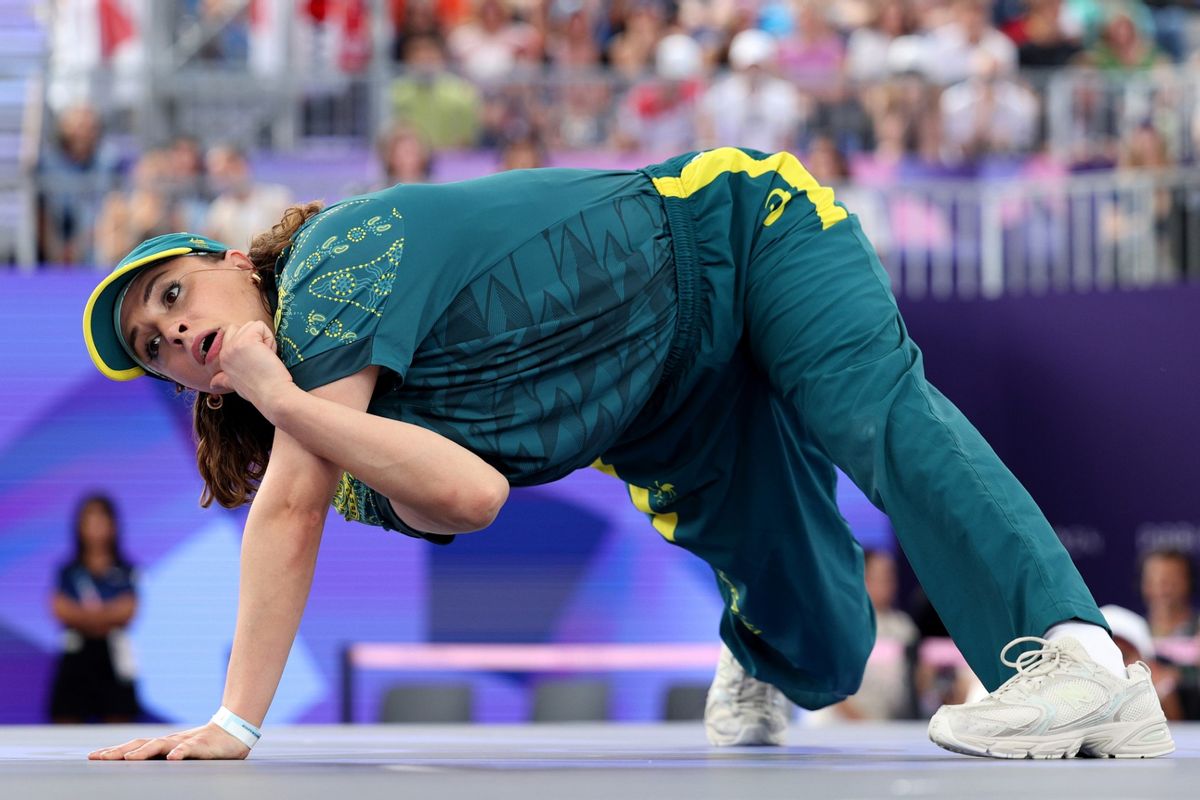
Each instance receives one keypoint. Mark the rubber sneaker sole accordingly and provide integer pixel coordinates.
(749, 736)
(1147, 739)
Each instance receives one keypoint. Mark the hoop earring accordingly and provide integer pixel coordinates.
(256, 278)
(215, 406)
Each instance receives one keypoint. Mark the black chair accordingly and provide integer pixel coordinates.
(571, 701)
(429, 703)
(685, 701)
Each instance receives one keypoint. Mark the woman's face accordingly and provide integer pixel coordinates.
(176, 313)
(880, 577)
(1165, 582)
(96, 527)
(408, 160)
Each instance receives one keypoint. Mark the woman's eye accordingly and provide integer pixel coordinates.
(171, 294)
(152, 348)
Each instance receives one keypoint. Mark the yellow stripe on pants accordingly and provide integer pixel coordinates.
(665, 524)
(706, 167)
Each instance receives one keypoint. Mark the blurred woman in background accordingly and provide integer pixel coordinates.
(95, 602)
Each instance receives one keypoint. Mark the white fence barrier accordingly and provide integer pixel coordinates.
(1033, 236)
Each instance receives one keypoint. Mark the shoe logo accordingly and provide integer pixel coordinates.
(1076, 696)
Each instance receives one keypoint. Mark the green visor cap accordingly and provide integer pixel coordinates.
(105, 343)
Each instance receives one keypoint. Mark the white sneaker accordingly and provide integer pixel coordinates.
(1060, 704)
(741, 710)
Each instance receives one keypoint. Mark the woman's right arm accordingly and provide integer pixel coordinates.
(279, 554)
(73, 615)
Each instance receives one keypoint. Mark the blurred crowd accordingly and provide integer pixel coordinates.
(939, 82)
(90, 213)
(914, 669)
(870, 93)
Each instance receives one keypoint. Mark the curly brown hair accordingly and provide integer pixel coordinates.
(233, 442)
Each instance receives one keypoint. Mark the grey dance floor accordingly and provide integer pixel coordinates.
(549, 762)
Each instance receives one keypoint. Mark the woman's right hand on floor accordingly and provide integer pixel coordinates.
(205, 742)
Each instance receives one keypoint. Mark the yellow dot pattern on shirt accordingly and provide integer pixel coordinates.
(362, 286)
(343, 285)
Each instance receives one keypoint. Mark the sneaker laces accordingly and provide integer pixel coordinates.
(1032, 663)
(753, 692)
(744, 689)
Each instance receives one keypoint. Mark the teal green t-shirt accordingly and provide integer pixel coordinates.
(526, 316)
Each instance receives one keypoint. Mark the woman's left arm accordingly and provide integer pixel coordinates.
(434, 484)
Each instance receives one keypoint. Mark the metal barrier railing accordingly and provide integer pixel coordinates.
(949, 239)
(1121, 229)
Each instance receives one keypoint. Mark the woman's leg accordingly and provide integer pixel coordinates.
(756, 500)
(821, 320)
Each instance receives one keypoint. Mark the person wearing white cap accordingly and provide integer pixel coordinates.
(752, 104)
(659, 114)
(1131, 632)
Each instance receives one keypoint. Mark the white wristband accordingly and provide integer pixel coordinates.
(237, 727)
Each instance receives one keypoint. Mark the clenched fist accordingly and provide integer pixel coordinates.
(250, 366)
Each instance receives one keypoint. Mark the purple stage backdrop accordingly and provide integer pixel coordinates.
(1090, 399)
(568, 562)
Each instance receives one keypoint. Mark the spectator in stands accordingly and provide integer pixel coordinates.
(1091, 17)
(242, 207)
(75, 171)
(413, 18)
(571, 43)
(525, 152)
(580, 109)
(990, 113)
(1042, 36)
(907, 138)
(511, 111)
(1093, 129)
(147, 209)
(952, 49)
(869, 56)
(1122, 46)
(1132, 635)
(490, 46)
(1168, 581)
(94, 600)
(187, 182)
(886, 691)
(751, 105)
(441, 105)
(659, 115)
(813, 57)
(1151, 218)
(711, 23)
(633, 50)
(405, 156)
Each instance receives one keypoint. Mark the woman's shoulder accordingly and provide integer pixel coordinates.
(333, 253)
(338, 276)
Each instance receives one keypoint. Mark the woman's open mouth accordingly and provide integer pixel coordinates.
(209, 346)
